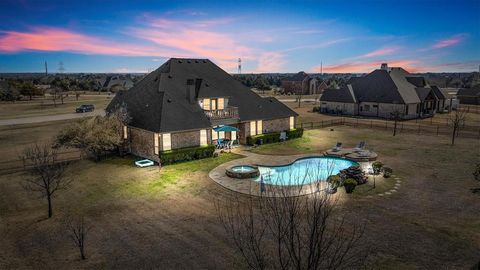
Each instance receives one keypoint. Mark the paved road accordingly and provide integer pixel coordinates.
(48, 118)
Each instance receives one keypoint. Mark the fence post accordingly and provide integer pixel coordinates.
(437, 130)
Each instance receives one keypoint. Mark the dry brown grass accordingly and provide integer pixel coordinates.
(431, 222)
(45, 106)
(139, 223)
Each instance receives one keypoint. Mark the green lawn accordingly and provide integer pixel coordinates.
(155, 182)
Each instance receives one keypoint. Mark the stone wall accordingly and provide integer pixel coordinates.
(141, 143)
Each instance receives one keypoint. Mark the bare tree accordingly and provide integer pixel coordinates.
(77, 231)
(47, 173)
(282, 229)
(396, 116)
(457, 120)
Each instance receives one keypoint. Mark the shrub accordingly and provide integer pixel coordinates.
(274, 137)
(350, 185)
(354, 172)
(185, 154)
(334, 180)
(387, 172)
(377, 167)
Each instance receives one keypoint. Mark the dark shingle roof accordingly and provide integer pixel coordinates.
(417, 81)
(438, 93)
(158, 102)
(423, 92)
(344, 94)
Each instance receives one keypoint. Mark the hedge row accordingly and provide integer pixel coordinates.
(185, 154)
(274, 137)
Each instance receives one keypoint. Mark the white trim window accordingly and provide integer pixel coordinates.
(292, 122)
(221, 104)
(166, 142)
(125, 132)
(259, 127)
(203, 137)
(214, 135)
(206, 104)
(234, 135)
(253, 128)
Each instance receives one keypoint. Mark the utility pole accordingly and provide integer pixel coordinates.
(61, 69)
(239, 66)
(46, 69)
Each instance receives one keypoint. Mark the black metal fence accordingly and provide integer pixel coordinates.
(468, 131)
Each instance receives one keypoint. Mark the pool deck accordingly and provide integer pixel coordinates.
(250, 187)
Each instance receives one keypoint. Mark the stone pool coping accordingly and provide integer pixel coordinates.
(250, 187)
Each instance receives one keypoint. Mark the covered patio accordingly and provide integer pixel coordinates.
(224, 136)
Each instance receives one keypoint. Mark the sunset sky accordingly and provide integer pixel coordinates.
(269, 36)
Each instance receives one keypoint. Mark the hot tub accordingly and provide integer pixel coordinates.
(242, 171)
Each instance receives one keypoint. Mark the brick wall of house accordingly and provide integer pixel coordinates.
(185, 139)
(276, 125)
(142, 143)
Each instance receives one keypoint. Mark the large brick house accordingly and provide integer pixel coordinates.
(178, 105)
(384, 91)
(302, 84)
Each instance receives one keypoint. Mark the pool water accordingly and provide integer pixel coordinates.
(304, 171)
(242, 168)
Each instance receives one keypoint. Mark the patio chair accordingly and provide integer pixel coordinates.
(337, 147)
(219, 144)
(230, 144)
(361, 146)
(283, 136)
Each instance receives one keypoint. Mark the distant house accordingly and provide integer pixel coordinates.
(469, 95)
(179, 104)
(382, 92)
(302, 84)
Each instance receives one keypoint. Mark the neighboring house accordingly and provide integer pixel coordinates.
(178, 105)
(302, 84)
(469, 95)
(382, 92)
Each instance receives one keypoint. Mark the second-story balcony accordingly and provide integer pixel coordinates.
(229, 112)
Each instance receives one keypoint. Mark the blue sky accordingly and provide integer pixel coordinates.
(269, 36)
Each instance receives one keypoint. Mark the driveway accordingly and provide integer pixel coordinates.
(48, 118)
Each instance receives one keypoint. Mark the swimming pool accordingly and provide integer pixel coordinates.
(303, 171)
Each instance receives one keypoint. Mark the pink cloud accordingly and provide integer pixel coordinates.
(452, 41)
(270, 62)
(381, 52)
(365, 67)
(55, 39)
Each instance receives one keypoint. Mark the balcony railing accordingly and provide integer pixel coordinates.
(229, 112)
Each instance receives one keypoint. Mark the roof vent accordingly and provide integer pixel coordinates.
(169, 100)
(206, 84)
(169, 76)
(156, 78)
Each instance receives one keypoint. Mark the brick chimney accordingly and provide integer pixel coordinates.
(384, 66)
